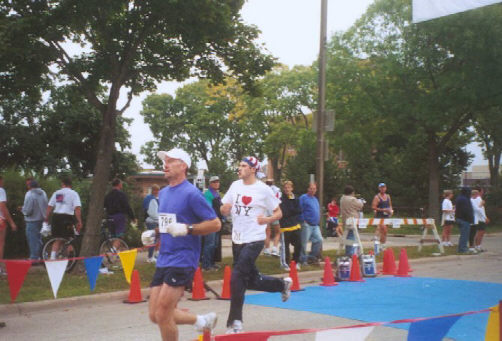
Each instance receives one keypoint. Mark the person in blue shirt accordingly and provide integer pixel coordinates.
(310, 230)
(184, 215)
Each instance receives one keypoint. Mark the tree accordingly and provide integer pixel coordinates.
(488, 133)
(412, 78)
(57, 134)
(288, 98)
(211, 122)
(125, 46)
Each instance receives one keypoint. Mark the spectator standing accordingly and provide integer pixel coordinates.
(332, 228)
(478, 239)
(480, 220)
(117, 208)
(5, 218)
(248, 200)
(152, 220)
(310, 230)
(448, 217)
(273, 227)
(290, 226)
(350, 207)
(465, 217)
(66, 206)
(212, 241)
(184, 215)
(382, 206)
(34, 210)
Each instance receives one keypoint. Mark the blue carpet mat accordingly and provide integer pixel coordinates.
(394, 298)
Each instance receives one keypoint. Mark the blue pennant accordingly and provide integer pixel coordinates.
(92, 268)
(431, 330)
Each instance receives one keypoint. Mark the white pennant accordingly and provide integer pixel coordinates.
(55, 271)
(352, 334)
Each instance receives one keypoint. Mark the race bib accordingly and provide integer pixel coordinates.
(166, 219)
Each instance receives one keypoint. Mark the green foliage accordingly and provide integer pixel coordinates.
(58, 134)
(211, 122)
(405, 96)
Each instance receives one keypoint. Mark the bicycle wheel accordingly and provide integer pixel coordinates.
(66, 251)
(111, 258)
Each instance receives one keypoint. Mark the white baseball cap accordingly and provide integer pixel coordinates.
(175, 153)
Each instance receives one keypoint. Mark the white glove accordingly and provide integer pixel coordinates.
(177, 229)
(148, 237)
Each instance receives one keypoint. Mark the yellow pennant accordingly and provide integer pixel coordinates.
(128, 258)
(493, 325)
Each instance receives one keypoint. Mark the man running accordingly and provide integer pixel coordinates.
(184, 215)
(248, 200)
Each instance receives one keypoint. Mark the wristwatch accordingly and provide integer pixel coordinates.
(190, 229)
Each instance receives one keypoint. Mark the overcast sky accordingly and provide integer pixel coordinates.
(290, 31)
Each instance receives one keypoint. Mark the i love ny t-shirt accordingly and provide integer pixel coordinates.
(248, 202)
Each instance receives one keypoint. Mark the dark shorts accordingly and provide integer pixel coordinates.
(62, 225)
(481, 226)
(381, 215)
(119, 224)
(174, 277)
(449, 222)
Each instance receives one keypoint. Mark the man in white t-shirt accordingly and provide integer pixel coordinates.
(5, 218)
(478, 228)
(248, 200)
(65, 203)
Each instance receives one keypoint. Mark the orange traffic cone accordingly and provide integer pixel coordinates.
(198, 291)
(328, 280)
(225, 290)
(355, 271)
(389, 262)
(135, 290)
(404, 267)
(293, 273)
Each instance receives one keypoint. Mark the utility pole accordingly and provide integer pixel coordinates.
(321, 110)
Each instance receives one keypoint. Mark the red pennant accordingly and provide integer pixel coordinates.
(16, 272)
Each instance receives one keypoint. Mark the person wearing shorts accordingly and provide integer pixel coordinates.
(66, 206)
(382, 205)
(273, 227)
(448, 217)
(5, 218)
(480, 220)
(184, 216)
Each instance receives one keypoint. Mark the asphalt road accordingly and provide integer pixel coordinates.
(105, 317)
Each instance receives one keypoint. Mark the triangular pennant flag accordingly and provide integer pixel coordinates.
(16, 272)
(493, 326)
(128, 258)
(92, 265)
(352, 334)
(431, 329)
(55, 271)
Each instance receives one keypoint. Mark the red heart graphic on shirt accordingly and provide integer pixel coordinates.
(246, 200)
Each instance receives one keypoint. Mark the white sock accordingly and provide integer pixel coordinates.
(201, 321)
(53, 254)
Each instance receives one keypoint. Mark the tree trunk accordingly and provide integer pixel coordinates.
(433, 165)
(90, 243)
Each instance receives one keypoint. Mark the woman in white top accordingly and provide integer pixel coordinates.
(448, 218)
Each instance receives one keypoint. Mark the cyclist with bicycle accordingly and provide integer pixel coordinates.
(66, 206)
(117, 208)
